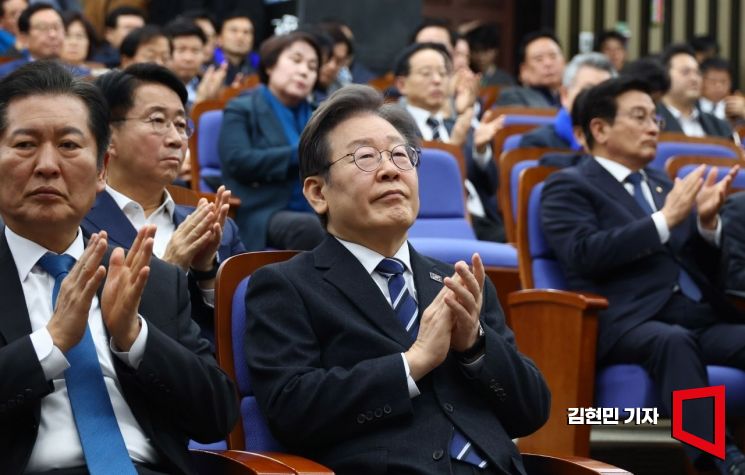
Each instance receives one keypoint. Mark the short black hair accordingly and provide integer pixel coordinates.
(674, 50)
(435, 23)
(610, 35)
(651, 71)
(335, 31)
(139, 36)
(232, 16)
(717, 64)
(181, 27)
(704, 43)
(69, 17)
(314, 149)
(118, 87)
(113, 17)
(402, 66)
(24, 20)
(46, 77)
(483, 37)
(272, 48)
(531, 37)
(600, 101)
(199, 14)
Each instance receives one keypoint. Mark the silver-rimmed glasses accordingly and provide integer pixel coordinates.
(161, 125)
(368, 159)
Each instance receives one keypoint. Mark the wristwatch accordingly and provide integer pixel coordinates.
(200, 275)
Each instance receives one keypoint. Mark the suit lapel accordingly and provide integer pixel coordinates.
(347, 274)
(106, 215)
(14, 322)
(427, 278)
(179, 214)
(608, 184)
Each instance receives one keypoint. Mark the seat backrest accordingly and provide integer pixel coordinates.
(196, 116)
(441, 202)
(671, 144)
(536, 261)
(512, 142)
(507, 131)
(251, 433)
(209, 135)
(738, 183)
(675, 163)
(512, 119)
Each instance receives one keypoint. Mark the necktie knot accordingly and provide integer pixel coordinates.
(56, 264)
(433, 122)
(390, 266)
(635, 178)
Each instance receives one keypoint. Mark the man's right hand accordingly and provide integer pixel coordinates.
(682, 197)
(70, 317)
(191, 236)
(433, 340)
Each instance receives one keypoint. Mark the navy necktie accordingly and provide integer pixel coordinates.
(434, 124)
(407, 311)
(687, 286)
(100, 437)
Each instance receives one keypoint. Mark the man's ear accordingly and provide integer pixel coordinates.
(314, 188)
(600, 130)
(101, 180)
(400, 83)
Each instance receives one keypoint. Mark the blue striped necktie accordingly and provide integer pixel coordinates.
(687, 286)
(100, 437)
(407, 311)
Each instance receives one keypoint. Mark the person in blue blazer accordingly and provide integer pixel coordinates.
(149, 138)
(624, 231)
(258, 147)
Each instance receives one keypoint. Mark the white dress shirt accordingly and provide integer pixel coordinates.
(715, 108)
(57, 443)
(691, 124)
(162, 218)
(621, 172)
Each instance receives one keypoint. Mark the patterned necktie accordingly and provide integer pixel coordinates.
(687, 286)
(434, 124)
(100, 438)
(407, 311)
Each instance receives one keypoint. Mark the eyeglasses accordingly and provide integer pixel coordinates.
(48, 27)
(641, 118)
(161, 125)
(368, 159)
(427, 73)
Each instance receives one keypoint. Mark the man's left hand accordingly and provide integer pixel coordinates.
(712, 195)
(467, 287)
(122, 291)
(204, 259)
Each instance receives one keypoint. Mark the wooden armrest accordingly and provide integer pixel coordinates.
(236, 462)
(558, 331)
(546, 465)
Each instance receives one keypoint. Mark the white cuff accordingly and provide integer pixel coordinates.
(413, 388)
(712, 237)
(661, 224)
(134, 356)
(51, 358)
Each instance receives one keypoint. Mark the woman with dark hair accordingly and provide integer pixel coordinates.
(80, 42)
(258, 147)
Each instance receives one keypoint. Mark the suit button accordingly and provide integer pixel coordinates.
(448, 407)
(378, 413)
(387, 409)
(360, 419)
(28, 391)
(369, 415)
(501, 394)
(437, 454)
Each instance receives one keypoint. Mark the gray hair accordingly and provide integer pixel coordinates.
(586, 60)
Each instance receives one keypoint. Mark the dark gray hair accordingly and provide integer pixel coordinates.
(586, 60)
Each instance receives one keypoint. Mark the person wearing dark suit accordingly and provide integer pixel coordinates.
(679, 106)
(583, 71)
(541, 68)
(624, 231)
(103, 370)
(39, 43)
(733, 242)
(431, 385)
(422, 76)
(148, 145)
(258, 147)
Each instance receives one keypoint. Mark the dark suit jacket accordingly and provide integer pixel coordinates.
(711, 124)
(323, 346)
(177, 393)
(255, 156)
(607, 245)
(525, 96)
(543, 136)
(733, 242)
(105, 215)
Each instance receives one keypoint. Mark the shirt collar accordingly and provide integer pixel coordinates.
(26, 253)
(619, 172)
(123, 201)
(679, 115)
(370, 259)
(421, 115)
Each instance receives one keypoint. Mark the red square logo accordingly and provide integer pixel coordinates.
(717, 392)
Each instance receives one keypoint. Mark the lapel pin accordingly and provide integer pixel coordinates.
(435, 277)
(658, 189)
